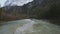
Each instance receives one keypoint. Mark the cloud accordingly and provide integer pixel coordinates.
(2, 2)
(16, 2)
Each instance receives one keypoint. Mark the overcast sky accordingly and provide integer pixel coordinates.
(17, 2)
(2, 2)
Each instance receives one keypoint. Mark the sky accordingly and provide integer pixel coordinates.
(2, 2)
(17, 2)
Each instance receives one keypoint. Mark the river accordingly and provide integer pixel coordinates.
(28, 26)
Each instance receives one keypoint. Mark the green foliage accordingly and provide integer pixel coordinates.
(0, 10)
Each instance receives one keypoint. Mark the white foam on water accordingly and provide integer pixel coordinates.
(43, 28)
(29, 26)
(25, 27)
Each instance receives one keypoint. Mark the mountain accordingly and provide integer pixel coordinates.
(26, 8)
(32, 9)
(37, 9)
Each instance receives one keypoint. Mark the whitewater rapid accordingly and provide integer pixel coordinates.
(25, 27)
(28, 26)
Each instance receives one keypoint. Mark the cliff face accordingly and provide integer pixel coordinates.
(38, 9)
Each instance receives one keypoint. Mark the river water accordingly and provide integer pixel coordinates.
(28, 26)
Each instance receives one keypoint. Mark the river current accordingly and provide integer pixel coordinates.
(28, 26)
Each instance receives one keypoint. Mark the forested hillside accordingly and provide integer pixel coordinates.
(46, 9)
